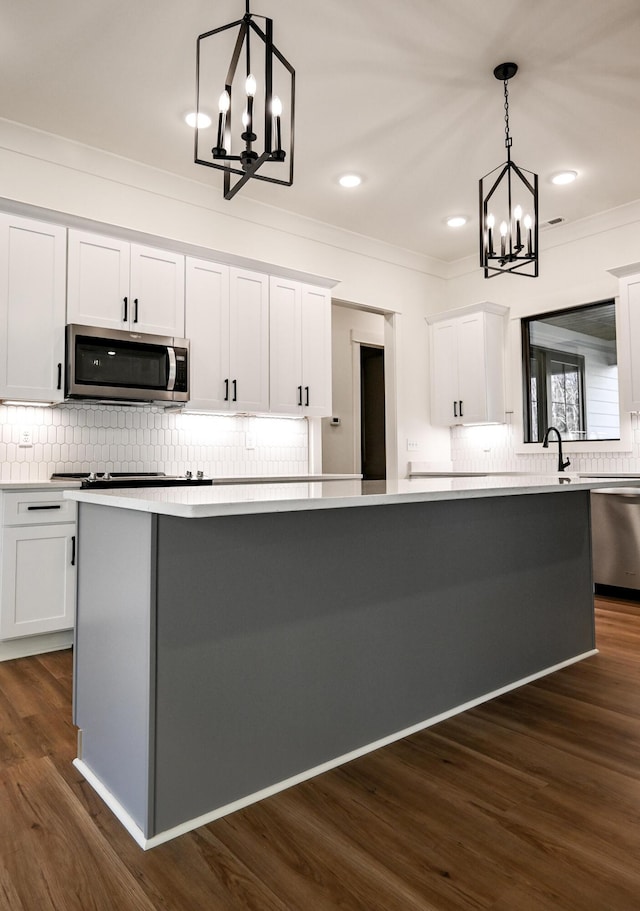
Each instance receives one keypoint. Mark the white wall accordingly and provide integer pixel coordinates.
(53, 173)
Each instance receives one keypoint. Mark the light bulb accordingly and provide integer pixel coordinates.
(245, 119)
(517, 213)
(224, 102)
(491, 220)
(528, 221)
(276, 106)
(503, 229)
(250, 85)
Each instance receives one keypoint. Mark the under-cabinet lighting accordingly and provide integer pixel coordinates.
(27, 404)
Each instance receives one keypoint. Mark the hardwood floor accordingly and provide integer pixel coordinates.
(528, 803)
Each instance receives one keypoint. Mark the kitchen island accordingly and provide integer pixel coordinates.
(233, 641)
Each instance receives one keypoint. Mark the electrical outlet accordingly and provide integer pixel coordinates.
(250, 441)
(26, 437)
(412, 446)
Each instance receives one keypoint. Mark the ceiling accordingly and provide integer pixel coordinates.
(401, 92)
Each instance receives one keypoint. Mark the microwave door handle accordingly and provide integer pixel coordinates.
(171, 380)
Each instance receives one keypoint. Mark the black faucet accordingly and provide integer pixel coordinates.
(562, 464)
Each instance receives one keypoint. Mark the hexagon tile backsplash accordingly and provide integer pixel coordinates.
(84, 437)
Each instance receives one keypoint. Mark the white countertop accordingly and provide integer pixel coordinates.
(243, 499)
(39, 485)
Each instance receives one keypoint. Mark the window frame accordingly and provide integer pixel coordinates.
(621, 442)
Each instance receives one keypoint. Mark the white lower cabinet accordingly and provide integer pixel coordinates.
(38, 572)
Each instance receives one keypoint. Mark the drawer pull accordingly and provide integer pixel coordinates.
(52, 506)
(73, 550)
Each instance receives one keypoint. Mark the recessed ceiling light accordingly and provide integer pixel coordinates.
(563, 177)
(203, 120)
(457, 221)
(350, 180)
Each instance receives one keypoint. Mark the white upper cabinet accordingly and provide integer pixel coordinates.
(157, 291)
(248, 341)
(118, 285)
(467, 366)
(300, 348)
(629, 342)
(32, 310)
(227, 323)
(207, 328)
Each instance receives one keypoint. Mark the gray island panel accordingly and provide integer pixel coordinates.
(114, 653)
(285, 640)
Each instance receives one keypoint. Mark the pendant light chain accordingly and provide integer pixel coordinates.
(507, 138)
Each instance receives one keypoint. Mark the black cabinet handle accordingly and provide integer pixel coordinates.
(73, 550)
(59, 376)
(226, 390)
(455, 409)
(306, 389)
(126, 309)
(299, 395)
(135, 310)
(235, 392)
(461, 413)
(52, 506)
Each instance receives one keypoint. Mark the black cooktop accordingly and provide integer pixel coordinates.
(91, 480)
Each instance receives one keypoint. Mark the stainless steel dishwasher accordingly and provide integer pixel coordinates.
(615, 525)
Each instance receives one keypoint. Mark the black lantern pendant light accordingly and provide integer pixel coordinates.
(508, 208)
(252, 130)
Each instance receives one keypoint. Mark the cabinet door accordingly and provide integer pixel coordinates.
(32, 310)
(472, 381)
(444, 373)
(316, 351)
(630, 313)
(285, 348)
(98, 280)
(207, 328)
(37, 594)
(157, 291)
(248, 341)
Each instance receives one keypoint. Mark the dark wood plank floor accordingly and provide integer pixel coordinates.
(527, 803)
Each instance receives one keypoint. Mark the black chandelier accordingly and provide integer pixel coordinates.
(508, 200)
(252, 131)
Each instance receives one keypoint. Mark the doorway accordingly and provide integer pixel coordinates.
(373, 457)
(354, 328)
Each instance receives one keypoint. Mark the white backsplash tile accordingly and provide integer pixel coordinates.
(492, 448)
(83, 437)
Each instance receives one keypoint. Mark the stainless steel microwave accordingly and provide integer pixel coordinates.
(115, 365)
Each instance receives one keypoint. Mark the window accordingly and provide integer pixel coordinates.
(557, 393)
(571, 370)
